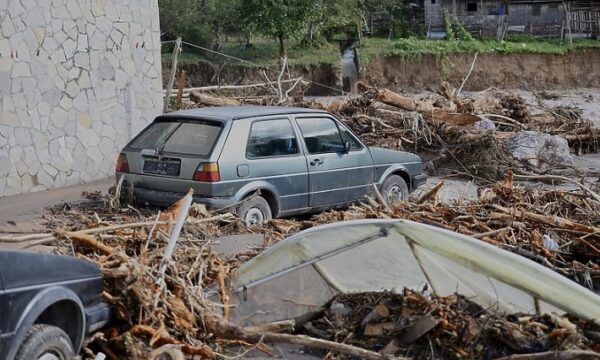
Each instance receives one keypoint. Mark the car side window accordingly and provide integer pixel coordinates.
(271, 138)
(347, 136)
(321, 135)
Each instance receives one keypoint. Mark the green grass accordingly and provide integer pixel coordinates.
(264, 52)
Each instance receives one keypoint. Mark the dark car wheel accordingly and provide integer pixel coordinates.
(254, 211)
(45, 342)
(394, 190)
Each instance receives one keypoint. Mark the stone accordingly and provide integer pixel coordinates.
(58, 56)
(30, 155)
(40, 33)
(107, 147)
(40, 141)
(82, 60)
(94, 154)
(65, 103)
(15, 154)
(35, 17)
(44, 179)
(84, 119)
(50, 44)
(74, 9)
(116, 36)
(540, 149)
(72, 89)
(52, 96)
(19, 101)
(5, 87)
(69, 46)
(104, 25)
(15, 9)
(59, 13)
(27, 183)
(97, 41)
(20, 69)
(22, 136)
(122, 27)
(108, 131)
(7, 27)
(58, 117)
(4, 166)
(106, 70)
(84, 80)
(108, 89)
(82, 43)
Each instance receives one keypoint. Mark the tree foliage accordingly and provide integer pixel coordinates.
(279, 19)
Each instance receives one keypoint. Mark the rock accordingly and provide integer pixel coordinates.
(484, 124)
(533, 146)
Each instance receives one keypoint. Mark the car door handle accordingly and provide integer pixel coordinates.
(316, 162)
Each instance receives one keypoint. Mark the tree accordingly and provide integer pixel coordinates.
(279, 19)
(328, 16)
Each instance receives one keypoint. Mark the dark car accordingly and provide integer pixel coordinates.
(268, 161)
(48, 303)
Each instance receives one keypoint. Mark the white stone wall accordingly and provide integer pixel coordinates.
(78, 79)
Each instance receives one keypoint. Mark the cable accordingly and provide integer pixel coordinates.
(255, 64)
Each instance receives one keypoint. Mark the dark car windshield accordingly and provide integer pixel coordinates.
(179, 136)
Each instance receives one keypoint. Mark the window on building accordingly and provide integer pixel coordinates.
(536, 9)
(471, 7)
(272, 138)
(433, 1)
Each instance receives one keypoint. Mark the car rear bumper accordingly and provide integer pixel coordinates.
(97, 316)
(418, 180)
(167, 198)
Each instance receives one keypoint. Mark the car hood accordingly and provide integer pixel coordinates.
(387, 156)
(23, 268)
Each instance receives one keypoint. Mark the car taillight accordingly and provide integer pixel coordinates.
(122, 164)
(207, 172)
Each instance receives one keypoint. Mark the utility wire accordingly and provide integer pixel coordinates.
(255, 64)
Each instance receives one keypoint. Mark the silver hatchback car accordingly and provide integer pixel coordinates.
(262, 161)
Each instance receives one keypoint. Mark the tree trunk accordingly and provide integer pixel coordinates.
(281, 46)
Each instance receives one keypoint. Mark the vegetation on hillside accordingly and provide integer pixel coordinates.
(313, 31)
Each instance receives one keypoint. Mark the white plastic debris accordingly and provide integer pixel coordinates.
(550, 243)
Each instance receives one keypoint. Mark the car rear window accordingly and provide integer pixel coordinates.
(179, 136)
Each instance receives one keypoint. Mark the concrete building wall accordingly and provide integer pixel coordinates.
(78, 79)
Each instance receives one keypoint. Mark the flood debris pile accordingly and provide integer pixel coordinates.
(430, 327)
(453, 131)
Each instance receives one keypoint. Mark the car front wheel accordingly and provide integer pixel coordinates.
(254, 211)
(45, 342)
(394, 190)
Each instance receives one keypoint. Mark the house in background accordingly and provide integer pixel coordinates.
(534, 17)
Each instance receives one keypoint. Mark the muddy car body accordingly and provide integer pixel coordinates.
(268, 161)
(48, 303)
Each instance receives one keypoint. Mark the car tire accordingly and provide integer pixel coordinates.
(254, 211)
(394, 190)
(45, 342)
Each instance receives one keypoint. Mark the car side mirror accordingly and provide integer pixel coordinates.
(347, 147)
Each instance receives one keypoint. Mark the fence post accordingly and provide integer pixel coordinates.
(176, 51)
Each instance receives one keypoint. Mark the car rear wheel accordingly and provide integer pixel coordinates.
(45, 342)
(394, 190)
(254, 211)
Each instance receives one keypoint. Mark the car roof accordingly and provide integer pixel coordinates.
(228, 113)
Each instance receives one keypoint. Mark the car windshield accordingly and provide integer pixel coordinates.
(179, 136)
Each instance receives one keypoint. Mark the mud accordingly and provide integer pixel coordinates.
(578, 69)
(533, 72)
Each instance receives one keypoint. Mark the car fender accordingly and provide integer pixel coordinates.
(43, 300)
(256, 186)
(392, 169)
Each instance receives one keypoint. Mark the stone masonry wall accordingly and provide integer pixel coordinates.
(78, 79)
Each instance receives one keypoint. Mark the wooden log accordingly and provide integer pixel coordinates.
(553, 221)
(212, 100)
(88, 241)
(389, 97)
(379, 313)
